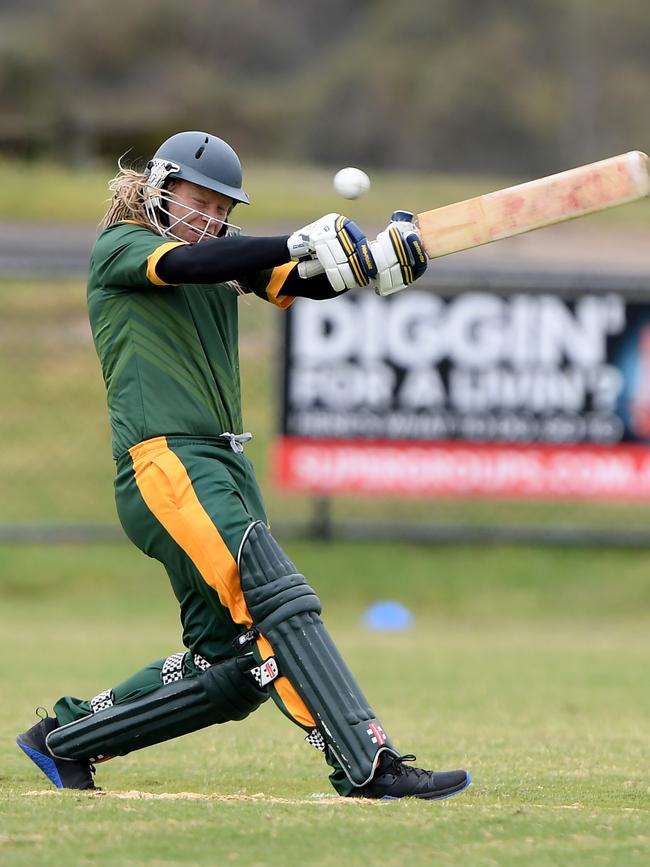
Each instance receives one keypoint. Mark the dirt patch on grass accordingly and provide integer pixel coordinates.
(260, 797)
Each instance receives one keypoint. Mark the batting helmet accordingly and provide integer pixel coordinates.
(200, 158)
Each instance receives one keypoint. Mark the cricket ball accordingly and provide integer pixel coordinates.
(351, 183)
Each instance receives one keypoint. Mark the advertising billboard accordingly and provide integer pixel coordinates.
(518, 393)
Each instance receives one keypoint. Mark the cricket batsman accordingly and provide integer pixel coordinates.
(165, 277)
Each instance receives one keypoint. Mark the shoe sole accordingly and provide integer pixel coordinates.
(43, 762)
(432, 797)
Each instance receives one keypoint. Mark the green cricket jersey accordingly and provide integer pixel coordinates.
(169, 354)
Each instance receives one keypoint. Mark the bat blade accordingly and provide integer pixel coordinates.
(535, 204)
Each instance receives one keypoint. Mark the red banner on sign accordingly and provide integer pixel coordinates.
(462, 469)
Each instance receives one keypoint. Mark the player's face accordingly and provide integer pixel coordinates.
(202, 212)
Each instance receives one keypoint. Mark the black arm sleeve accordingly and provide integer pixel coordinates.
(317, 288)
(220, 259)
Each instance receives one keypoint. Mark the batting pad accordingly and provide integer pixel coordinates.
(286, 611)
(225, 691)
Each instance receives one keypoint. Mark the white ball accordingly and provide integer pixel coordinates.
(351, 183)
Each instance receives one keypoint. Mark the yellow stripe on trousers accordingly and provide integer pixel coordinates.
(167, 490)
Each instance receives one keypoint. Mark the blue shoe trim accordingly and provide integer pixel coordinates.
(45, 763)
(457, 792)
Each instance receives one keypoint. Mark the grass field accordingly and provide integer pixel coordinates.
(529, 667)
(51, 192)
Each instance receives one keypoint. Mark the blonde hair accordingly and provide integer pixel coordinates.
(127, 202)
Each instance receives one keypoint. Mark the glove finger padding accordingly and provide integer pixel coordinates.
(340, 247)
(399, 254)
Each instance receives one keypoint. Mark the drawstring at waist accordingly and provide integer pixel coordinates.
(237, 440)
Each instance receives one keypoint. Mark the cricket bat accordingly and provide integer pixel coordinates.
(535, 204)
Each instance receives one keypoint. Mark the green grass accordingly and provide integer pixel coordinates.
(280, 194)
(527, 666)
(54, 427)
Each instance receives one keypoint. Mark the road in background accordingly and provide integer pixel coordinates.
(34, 249)
(62, 250)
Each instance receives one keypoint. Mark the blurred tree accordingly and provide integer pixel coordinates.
(498, 86)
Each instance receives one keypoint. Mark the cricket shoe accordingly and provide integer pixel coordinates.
(64, 773)
(393, 779)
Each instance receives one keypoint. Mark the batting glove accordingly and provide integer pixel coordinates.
(398, 254)
(334, 246)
